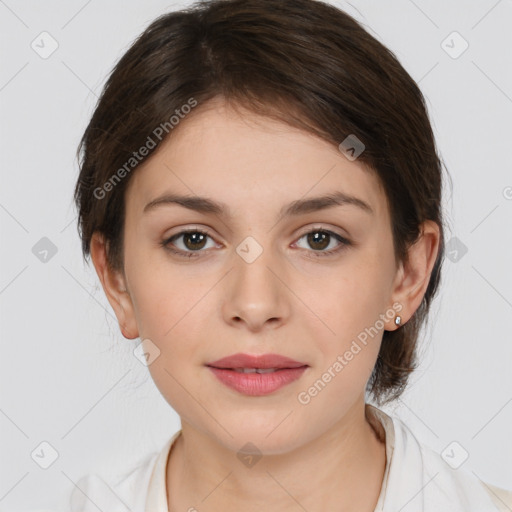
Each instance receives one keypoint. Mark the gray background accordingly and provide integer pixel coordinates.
(67, 375)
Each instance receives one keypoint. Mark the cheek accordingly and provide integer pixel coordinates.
(345, 357)
(351, 306)
(171, 319)
(171, 309)
(352, 298)
(159, 295)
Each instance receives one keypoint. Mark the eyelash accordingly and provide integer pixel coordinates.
(166, 244)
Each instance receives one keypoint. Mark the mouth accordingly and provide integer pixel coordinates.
(257, 375)
(254, 383)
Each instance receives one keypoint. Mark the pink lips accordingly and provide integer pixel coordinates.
(285, 371)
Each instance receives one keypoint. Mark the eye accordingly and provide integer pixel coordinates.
(193, 240)
(320, 239)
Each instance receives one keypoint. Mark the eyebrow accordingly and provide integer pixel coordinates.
(299, 207)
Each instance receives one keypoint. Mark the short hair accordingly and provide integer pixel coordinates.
(302, 62)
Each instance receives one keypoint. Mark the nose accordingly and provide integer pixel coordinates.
(256, 296)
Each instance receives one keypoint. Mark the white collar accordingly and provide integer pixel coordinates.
(416, 478)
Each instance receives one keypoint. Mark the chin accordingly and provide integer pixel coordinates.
(268, 439)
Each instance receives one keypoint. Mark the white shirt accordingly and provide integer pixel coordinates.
(416, 479)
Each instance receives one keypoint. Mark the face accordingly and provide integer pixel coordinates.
(271, 271)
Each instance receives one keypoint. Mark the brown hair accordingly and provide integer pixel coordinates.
(303, 62)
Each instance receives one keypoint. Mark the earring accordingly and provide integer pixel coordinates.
(398, 320)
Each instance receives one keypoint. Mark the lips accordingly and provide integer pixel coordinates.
(257, 375)
(248, 363)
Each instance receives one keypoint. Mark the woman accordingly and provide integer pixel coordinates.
(260, 194)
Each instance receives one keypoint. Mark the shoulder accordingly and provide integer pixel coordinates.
(125, 492)
(420, 478)
(462, 485)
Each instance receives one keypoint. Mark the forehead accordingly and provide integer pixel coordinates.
(241, 158)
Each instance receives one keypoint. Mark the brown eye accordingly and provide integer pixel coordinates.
(192, 241)
(320, 239)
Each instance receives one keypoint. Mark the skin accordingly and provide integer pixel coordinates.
(323, 455)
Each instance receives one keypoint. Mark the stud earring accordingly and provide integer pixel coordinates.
(398, 320)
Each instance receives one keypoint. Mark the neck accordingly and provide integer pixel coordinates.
(342, 469)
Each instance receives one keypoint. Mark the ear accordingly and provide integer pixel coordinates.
(114, 286)
(413, 276)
